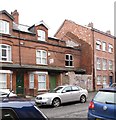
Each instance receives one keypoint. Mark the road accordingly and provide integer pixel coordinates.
(70, 110)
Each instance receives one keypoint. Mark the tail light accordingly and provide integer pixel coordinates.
(91, 105)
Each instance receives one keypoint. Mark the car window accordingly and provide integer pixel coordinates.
(8, 114)
(75, 88)
(67, 89)
(105, 97)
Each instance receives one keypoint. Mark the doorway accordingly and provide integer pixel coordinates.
(20, 83)
(52, 82)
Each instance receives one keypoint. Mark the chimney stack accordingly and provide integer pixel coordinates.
(15, 14)
(108, 32)
(90, 25)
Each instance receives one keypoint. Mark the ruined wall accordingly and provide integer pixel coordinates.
(84, 81)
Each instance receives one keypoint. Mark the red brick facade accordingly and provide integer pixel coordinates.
(89, 35)
(24, 43)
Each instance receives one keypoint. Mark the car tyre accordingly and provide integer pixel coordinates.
(56, 102)
(83, 99)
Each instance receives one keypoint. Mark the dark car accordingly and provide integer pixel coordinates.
(103, 105)
(19, 109)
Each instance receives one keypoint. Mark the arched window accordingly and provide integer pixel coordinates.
(5, 53)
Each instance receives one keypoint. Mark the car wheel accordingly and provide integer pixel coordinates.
(83, 99)
(56, 102)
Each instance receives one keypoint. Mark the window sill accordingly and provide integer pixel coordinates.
(6, 61)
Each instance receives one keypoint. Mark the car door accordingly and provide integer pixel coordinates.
(66, 94)
(75, 93)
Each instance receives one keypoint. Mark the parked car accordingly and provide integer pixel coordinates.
(103, 105)
(113, 85)
(20, 109)
(62, 94)
(7, 92)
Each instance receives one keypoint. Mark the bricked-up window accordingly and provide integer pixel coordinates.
(41, 57)
(3, 80)
(103, 46)
(68, 60)
(104, 64)
(5, 53)
(4, 27)
(31, 81)
(98, 79)
(110, 65)
(41, 82)
(98, 64)
(41, 35)
(98, 45)
(110, 48)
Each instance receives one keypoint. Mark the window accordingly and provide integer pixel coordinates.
(41, 57)
(41, 82)
(41, 35)
(4, 27)
(110, 48)
(68, 60)
(98, 45)
(98, 64)
(104, 46)
(3, 80)
(31, 81)
(98, 79)
(104, 79)
(5, 52)
(104, 64)
(110, 65)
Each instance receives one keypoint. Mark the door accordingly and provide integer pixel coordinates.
(20, 83)
(52, 82)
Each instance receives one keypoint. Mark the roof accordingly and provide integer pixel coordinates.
(109, 89)
(42, 23)
(15, 103)
(9, 15)
(94, 29)
(23, 28)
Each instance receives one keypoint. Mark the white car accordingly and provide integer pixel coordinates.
(62, 94)
(7, 92)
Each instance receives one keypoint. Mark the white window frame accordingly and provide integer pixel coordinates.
(3, 81)
(7, 49)
(98, 64)
(104, 79)
(98, 79)
(70, 61)
(41, 83)
(98, 45)
(31, 81)
(41, 35)
(110, 64)
(104, 64)
(110, 48)
(40, 58)
(104, 46)
(4, 27)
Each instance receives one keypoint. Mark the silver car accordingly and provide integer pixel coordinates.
(62, 94)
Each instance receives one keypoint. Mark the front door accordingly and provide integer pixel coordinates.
(20, 83)
(52, 82)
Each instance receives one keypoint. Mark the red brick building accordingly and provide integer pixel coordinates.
(101, 63)
(31, 61)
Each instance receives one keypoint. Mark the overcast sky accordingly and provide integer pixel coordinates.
(54, 12)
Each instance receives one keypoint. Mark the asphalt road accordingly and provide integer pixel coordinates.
(70, 110)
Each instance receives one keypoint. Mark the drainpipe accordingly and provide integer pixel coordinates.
(93, 59)
(19, 50)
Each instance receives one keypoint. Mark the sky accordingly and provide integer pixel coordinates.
(54, 12)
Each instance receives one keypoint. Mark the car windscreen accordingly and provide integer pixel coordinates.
(105, 97)
(56, 90)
